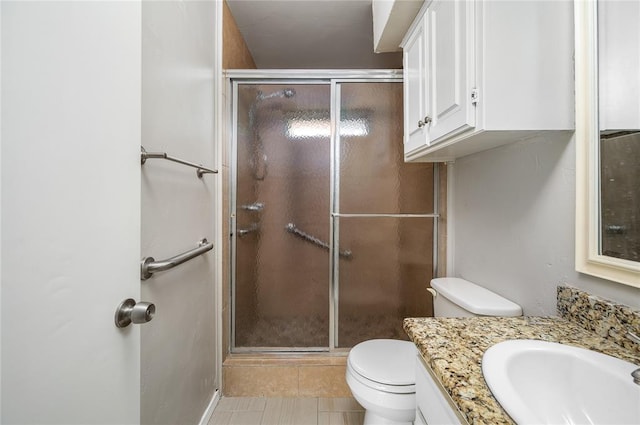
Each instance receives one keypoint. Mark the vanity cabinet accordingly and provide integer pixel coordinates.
(432, 405)
(482, 73)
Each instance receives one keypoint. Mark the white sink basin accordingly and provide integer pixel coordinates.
(540, 382)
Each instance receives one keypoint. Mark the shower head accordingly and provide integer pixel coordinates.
(288, 92)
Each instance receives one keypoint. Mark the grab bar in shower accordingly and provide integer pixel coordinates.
(148, 265)
(291, 228)
(200, 170)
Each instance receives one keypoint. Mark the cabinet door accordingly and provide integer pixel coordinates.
(420, 420)
(432, 407)
(450, 67)
(415, 133)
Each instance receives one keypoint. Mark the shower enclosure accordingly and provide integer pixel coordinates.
(332, 233)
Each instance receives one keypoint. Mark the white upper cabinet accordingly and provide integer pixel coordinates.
(450, 72)
(415, 102)
(482, 73)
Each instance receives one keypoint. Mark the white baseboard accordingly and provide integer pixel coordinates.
(208, 412)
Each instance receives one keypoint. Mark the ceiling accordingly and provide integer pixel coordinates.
(311, 34)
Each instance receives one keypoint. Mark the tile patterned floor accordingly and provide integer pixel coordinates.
(287, 411)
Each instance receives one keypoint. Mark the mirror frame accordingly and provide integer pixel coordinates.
(587, 137)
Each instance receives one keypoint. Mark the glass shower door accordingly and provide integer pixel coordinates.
(333, 234)
(281, 291)
(382, 214)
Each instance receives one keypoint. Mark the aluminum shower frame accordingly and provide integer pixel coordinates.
(333, 78)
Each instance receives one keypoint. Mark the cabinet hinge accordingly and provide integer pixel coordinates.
(474, 96)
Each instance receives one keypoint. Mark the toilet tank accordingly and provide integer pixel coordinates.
(455, 297)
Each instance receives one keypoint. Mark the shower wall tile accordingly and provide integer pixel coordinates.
(235, 53)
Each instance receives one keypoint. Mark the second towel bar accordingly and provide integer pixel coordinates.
(148, 265)
(200, 170)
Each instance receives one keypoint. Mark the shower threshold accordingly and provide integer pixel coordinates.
(285, 375)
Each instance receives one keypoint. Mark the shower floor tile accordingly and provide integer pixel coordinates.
(287, 411)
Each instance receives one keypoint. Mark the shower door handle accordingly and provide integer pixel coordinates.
(291, 228)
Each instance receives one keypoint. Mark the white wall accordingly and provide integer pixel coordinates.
(0, 215)
(70, 211)
(514, 219)
(179, 347)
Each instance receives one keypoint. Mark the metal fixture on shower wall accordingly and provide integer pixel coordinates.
(615, 229)
(291, 228)
(254, 227)
(288, 92)
(256, 206)
(258, 163)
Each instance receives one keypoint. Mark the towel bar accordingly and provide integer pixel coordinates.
(200, 170)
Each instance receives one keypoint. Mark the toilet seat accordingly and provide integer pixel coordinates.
(384, 364)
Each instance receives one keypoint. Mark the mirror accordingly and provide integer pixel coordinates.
(619, 126)
(608, 139)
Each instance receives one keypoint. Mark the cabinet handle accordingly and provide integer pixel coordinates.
(422, 123)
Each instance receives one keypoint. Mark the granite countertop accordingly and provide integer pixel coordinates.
(453, 348)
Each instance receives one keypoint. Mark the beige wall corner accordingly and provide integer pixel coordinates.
(235, 54)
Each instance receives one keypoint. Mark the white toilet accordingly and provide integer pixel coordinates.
(380, 372)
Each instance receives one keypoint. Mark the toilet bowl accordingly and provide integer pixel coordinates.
(380, 372)
(381, 376)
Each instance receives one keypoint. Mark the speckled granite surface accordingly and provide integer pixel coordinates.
(453, 348)
(606, 318)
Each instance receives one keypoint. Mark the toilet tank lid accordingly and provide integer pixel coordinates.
(474, 298)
